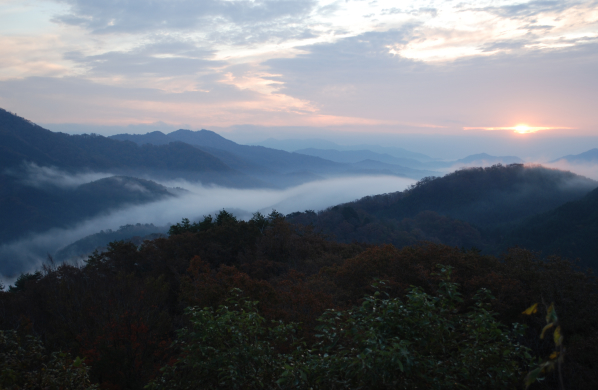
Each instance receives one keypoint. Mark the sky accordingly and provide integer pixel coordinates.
(299, 68)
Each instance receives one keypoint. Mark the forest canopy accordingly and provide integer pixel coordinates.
(304, 310)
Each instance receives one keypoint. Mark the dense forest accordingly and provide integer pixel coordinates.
(225, 303)
(491, 209)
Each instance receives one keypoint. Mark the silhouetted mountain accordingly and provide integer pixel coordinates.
(475, 160)
(488, 159)
(355, 156)
(295, 145)
(470, 207)
(22, 140)
(25, 208)
(591, 156)
(493, 196)
(372, 167)
(570, 230)
(128, 233)
(264, 163)
(281, 161)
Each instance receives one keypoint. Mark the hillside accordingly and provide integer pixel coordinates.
(278, 167)
(129, 233)
(354, 156)
(589, 157)
(570, 230)
(358, 156)
(22, 140)
(296, 145)
(28, 209)
(490, 197)
(123, 310)
(279, 160)
(470, 207)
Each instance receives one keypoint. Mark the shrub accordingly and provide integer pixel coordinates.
(24, 364)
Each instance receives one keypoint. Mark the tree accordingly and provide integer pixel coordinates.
(24, 364)
(427, 342)
(228, 348)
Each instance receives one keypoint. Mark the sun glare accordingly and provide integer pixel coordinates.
(522, 129)
(519, 129)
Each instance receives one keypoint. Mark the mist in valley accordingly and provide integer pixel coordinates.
(29, 253)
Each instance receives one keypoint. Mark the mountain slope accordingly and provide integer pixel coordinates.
(267, 158)
(373, 167)
(355, 156)
(128, 233)
(493, 196)
(294, 145)
(485, 157)
(591, 156)
(265, 163)
(570, 230)
(490, 208)
(470, 207)
(29, 209)
(21, 140)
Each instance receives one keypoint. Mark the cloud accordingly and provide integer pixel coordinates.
(170, 59)
(33, 175)
(317, 63)
(539, 89)
(27, 254)
(238, 99)
(588, 170)
(526, 10)
(135, 16)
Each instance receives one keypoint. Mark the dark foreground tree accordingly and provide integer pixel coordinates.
(24, 364)
(424, 341)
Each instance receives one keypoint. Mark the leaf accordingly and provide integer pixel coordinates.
(531, 310)
(551, 314)
(553, 355)
(532, 376)
(558, 337)
(545, 329)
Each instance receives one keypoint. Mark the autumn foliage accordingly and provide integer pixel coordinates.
(123, 310)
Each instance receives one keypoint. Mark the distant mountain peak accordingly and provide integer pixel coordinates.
(590, 156)
(491, 159)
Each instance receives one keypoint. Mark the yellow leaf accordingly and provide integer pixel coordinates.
(551, 314)
(558, 337)
(531, 310)
(545, 329)
(554, 355)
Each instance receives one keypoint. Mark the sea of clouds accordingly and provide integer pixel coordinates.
(28, 254)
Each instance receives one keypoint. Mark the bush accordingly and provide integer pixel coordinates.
(25, 365)
(426, 342)
(230, 348)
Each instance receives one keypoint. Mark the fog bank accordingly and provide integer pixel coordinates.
(27, 254)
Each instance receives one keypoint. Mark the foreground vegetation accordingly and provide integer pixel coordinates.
(234, 304)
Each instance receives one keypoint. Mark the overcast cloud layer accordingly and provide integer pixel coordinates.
(384, 66)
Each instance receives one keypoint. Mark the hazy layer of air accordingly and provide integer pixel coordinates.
(27, 254)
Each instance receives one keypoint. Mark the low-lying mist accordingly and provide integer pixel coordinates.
(42, 176)
(27, 254)
(589, 170)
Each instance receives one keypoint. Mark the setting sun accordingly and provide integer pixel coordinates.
(522, 129)
(519, 129)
